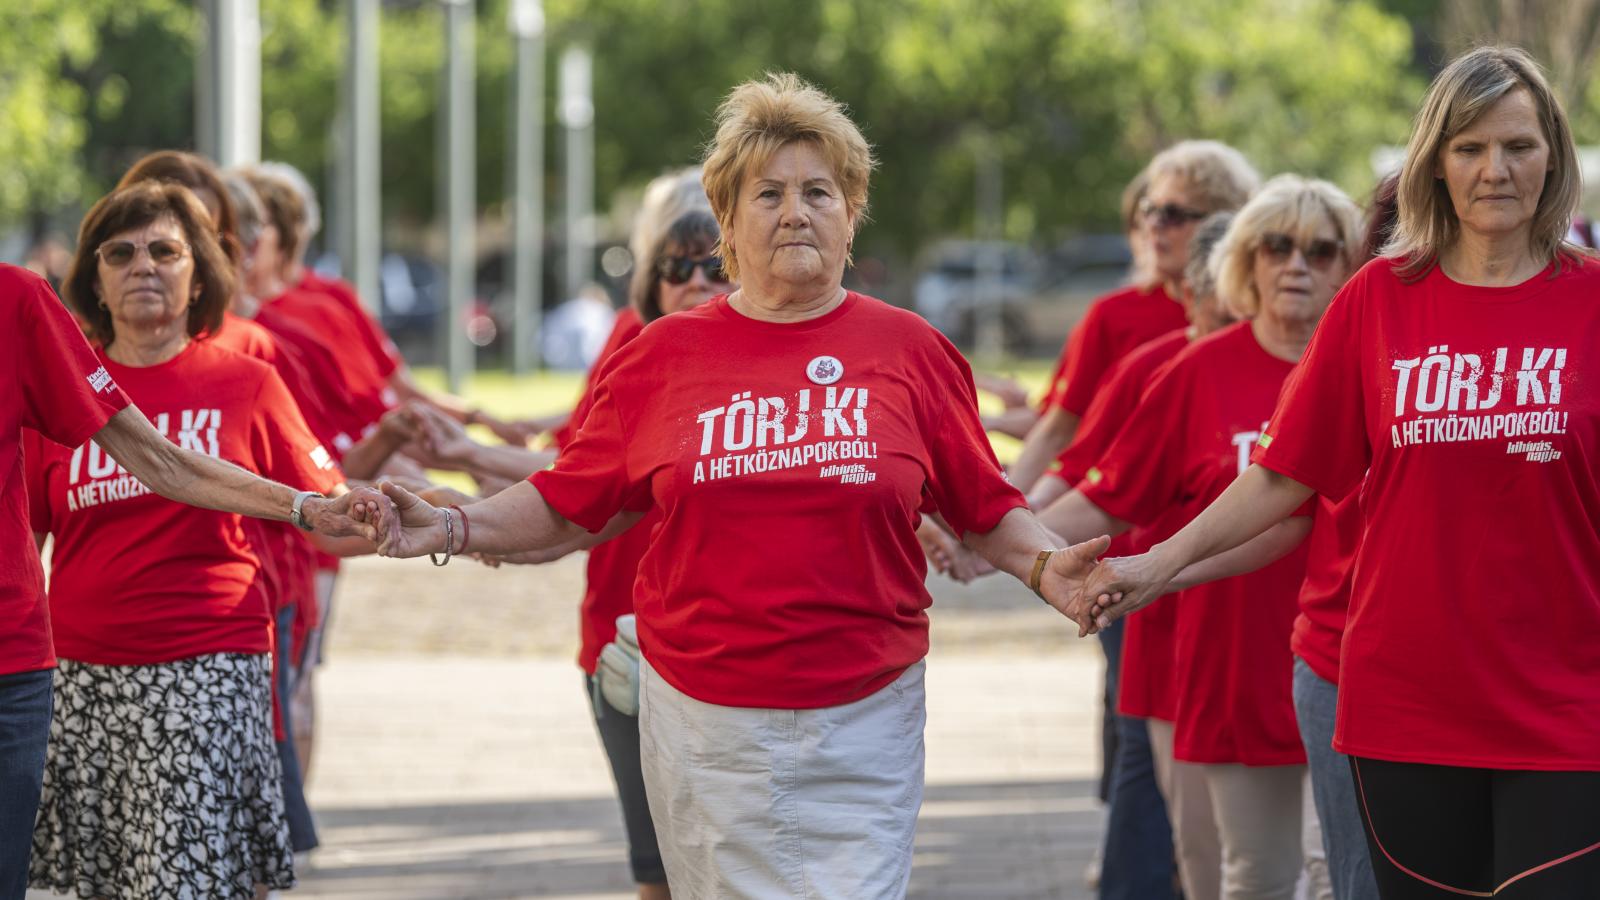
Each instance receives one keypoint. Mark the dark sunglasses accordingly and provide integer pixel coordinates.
(1320, 253)
(678, 269)
(1169, 215)
(163, 251)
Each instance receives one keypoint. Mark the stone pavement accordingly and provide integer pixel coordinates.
(457, 759)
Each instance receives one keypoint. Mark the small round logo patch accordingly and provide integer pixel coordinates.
(824, 370)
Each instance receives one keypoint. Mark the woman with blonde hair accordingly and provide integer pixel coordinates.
(1450, 381)
(790, 434)
(1232, 725)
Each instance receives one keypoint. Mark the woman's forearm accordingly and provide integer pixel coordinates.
(515, 520)
(1255, 501)
(1077, 519)
(507, 461)
(1013, 545)
(1048, 437)
(363, 460)
(192, 478)
(199, 480)
(1259, 552)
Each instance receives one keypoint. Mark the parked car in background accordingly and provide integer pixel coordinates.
(1039, 296)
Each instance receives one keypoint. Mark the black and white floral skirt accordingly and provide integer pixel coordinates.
(162, 781)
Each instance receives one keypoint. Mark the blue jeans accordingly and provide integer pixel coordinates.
(1137, 863)
(1344, 838)
(25, 700)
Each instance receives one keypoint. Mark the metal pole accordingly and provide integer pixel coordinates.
(527, 155)
(457, 183)
(228, 89)
(577, 115)
(991, 260)
(362, 159)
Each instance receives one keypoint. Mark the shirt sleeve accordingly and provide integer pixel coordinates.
(1101, 423)
(1141, 475)
(591, 480)
(282, 443)
(1088, 361)
(35, 484)
(1318, 433)
(66, 394)
(965, 480)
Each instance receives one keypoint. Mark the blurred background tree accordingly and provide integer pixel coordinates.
(1072, 95)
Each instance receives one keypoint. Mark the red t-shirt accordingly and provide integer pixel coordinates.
(302, 315)
(374, 340)
(612, 566)
(139, 579)
(624, 328)
(1325, 594)
(1189, 439)
(789, 462)
(351, 403)
(1114, 325)
(1145, 683)
(1474, 629)
(54, 385)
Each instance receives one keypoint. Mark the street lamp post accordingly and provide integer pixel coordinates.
(457, 184)
(526, 21)
(577, 117)
(228, 83)
(363, 231)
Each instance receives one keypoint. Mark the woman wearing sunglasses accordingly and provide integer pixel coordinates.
(1284, 256)
(162, 778)
(1450, 385)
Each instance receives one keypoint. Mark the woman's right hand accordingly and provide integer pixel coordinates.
(1118, 586)
(410, 527)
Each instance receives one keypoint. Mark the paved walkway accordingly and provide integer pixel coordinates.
(457, 758)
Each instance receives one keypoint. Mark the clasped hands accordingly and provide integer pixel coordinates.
(1095, 592)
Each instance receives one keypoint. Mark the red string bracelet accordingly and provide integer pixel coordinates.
(466, 529)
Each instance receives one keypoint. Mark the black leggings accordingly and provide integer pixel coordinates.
(1439, 832)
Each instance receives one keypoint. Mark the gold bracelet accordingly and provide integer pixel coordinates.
(1038, 571)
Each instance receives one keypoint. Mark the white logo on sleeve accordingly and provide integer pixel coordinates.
(99, 379)
(824, 370)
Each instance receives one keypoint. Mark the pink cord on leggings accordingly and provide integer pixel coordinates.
(1361, 790)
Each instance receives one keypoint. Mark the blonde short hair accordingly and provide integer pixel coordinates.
(1460, 94)
(762, 116)
(1289, 204)
(1218, 175)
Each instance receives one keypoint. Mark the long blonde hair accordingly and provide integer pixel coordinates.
(1460, 94)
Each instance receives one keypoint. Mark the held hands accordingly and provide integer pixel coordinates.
(355, 514)
(1117, 587)
(407, 526)
(1066, 573)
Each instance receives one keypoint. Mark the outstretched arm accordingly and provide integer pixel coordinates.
(1255, 501)
(1045, 441)
(200, 480)
(515, 520)
(1014, 546)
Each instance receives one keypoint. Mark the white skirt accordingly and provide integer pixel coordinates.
(758, 803)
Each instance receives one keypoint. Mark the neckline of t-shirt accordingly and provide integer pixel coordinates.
(1510, 293)
(726, 310)
(181, 355)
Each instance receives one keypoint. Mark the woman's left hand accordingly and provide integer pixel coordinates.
(410, 526)
(1066, 573)
(353, 514)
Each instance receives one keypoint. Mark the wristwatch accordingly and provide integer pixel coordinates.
(295, 514)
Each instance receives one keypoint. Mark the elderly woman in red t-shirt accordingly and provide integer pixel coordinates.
(789, 434)
(161, 777)
(1450, 379)
(1233, 727)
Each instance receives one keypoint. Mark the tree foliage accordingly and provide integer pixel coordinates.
(1071, 95)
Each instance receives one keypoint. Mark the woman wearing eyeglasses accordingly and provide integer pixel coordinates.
(1284, 256)
(162, 778)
